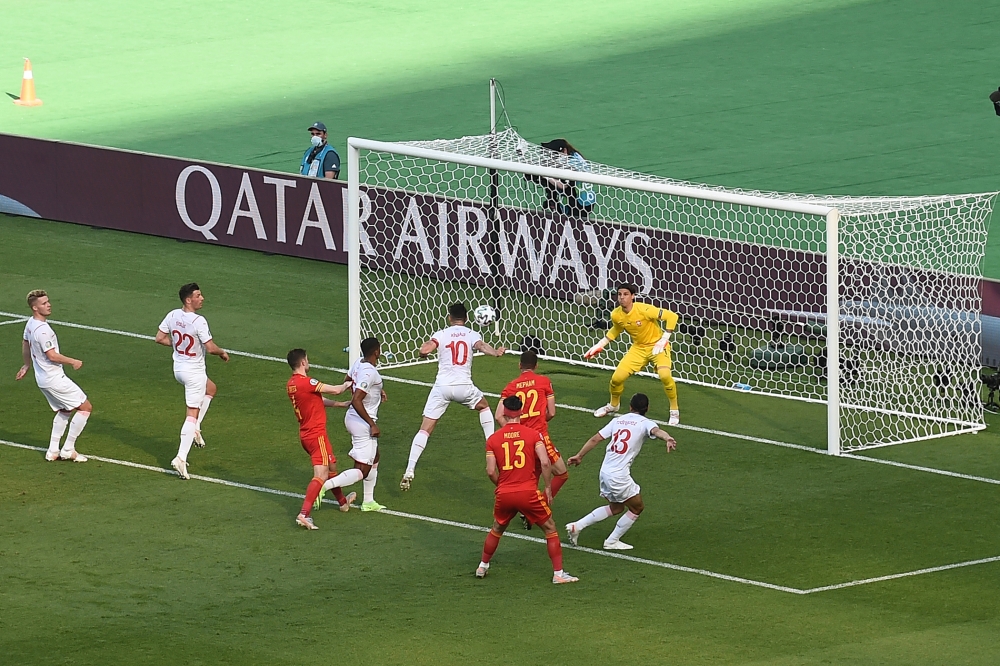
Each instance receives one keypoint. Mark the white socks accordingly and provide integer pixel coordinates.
(345, 478)
(416, 448)
(595, 516)
(205, 402)
(487, 422)
(187, 438)
(625, 523)
(369, 484)
(59, 424)
(75, 428)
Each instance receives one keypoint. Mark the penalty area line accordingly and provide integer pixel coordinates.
(525, 537)
(575, 408)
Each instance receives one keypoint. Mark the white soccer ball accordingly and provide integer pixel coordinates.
(484, 315)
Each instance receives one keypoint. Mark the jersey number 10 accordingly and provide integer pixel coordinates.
(459, 351)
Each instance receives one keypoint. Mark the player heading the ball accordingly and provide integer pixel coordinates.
(186, 332)
(539, 407)
(40, 350)
(310, 406)
(515, 459)
(360, 422)
(650, 343)
(455, 346)
(627, 433)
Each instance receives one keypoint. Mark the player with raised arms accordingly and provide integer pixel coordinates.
(186, 332)
(515, 459)
(650, 343)
(40, 350)
(455, 346)
(539, 407)
(360, 422)
(627, 433)
(306, 394)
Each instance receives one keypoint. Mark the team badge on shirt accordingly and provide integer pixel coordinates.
(313, 382)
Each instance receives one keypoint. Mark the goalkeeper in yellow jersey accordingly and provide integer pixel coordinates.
(650, 343)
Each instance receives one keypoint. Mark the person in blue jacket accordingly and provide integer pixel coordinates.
(320, 159)
(579, 197)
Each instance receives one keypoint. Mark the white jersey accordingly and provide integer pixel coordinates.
(188, 333)
(41, 338)
(627, 433)
(455, 347)
(366, 378)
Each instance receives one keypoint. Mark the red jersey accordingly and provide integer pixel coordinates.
(513, 447)
(534, 391)
(304, 392)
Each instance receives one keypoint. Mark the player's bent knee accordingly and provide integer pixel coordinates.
(85, 407)
(548, 526)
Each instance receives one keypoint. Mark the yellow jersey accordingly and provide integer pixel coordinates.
(642, 323)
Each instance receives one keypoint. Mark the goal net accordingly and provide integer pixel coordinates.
(544, 238)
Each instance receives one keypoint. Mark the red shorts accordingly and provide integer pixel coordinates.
(553, 452)
(529, 502)
(318, 448)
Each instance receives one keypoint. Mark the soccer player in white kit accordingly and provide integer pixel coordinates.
(186, 332)
(627, 433)
(40, 349)
(455, 346)
(360, 422)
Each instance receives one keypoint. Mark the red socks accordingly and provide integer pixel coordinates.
(555, 550)
(338, 495)
(312, 492)
(557, 482)
(492, 541)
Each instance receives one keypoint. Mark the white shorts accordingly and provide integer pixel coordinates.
(63, 395)
(364, 447)
(195, 384)
(442, 396)
(616, 489)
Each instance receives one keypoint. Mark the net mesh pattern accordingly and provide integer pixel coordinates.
(748, 282)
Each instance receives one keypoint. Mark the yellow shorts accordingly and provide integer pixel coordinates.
(639, 356)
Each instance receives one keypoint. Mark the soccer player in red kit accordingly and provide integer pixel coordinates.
(310, 406)
(539, 400)
(515, 458)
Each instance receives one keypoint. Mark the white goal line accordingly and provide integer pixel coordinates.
(576, 408)
(525, 537)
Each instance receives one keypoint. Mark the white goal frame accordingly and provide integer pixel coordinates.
(830, 213)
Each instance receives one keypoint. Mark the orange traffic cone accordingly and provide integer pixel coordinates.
(28, 88)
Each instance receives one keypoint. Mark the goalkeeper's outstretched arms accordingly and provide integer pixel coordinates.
(596, 349)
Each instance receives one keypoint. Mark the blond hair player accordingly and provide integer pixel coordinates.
(650, 344)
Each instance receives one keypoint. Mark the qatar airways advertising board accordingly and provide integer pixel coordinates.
(542, 253)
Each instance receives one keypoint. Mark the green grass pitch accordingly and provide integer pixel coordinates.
(109, 564)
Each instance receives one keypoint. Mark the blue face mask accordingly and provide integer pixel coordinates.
(316, 140)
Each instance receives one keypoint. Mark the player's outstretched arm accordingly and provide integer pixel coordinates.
(491, 468)
(489, 350)
(216, 350)
(163, 339)
(427, 348)
(587, 448)
(336, 389)
(26, 357)
(56, 357)
(662, 434)
(597, 349)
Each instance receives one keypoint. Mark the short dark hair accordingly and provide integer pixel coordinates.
(188, 289)
(529, 359)
(369, 345)
(295, 358)
(458, 312)
(632, 289)
(639, 403)
(513, 403)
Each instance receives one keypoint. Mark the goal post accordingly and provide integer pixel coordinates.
(767, 285)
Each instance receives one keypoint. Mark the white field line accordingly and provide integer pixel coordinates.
(577, 408)
(525, 537)
(19, 320)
